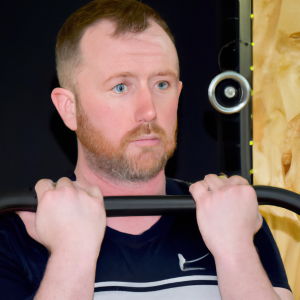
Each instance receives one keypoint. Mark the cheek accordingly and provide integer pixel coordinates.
(101, 114)
(111, 121)
(167, 116)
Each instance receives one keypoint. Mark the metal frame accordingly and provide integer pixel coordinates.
(153, 205)
(245, 70)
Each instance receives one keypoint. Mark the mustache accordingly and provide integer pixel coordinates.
(151, 128)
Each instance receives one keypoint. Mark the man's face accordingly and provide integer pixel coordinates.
(128, 90)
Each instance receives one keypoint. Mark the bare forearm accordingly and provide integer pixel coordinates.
(241, 276)
(68, 276)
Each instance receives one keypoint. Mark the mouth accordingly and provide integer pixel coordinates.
(146, 141)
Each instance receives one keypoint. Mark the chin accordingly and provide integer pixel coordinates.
(146, 155)
(149, 162)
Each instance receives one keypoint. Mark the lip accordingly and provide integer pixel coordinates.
(147, 137)
(146, 140)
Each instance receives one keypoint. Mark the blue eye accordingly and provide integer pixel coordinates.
(120, 88)
(162, 85)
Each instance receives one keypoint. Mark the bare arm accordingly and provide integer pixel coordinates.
(68, 276)
(228, 218)
(242, 276)
(70, 222)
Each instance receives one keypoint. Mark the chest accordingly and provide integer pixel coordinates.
(177, 266)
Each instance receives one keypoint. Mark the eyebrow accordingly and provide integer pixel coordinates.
(119, 75)
(167, 73)
(129, 74)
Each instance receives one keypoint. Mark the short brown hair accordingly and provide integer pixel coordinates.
(128, 16)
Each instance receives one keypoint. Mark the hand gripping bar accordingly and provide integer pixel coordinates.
(153, 205)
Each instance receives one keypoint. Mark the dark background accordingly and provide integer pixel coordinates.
(35, 143)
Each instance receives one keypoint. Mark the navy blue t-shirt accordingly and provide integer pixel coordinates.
(168, 260)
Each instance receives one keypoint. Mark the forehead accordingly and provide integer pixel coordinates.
(149, 49)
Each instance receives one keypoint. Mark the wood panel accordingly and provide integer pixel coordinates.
(276, 98)
(276, 119)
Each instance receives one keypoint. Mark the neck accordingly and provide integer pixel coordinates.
(112, 187)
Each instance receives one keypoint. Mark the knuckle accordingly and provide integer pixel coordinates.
(82, 194)
(191, 188)
(234, 178)
(96, 190)
(98, 206)
(63, 181)
(63, 178)
(68, 192)
(48, 196)
(41, 182)
(246, 192)
(211, 176)
(239, 179)
(220, 193)
(197, 187)
(194, 186)
(250, 191)
(246, 181)
(232, 190)
(243, 180)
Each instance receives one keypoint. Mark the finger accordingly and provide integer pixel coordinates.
(94, 192)
(259, 223)
(42, 186)
(199, 189)
(237, 180)
(214, 182)
(224, 178)
(64, 181)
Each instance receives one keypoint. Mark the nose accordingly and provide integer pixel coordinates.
(145, 108)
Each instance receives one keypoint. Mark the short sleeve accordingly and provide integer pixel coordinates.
(22, 260)
(13, 285)
(270, 257)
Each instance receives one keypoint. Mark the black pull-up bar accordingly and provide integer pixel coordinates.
(153, 205)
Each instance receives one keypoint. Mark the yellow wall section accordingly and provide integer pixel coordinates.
(276, 97)
(276, 119)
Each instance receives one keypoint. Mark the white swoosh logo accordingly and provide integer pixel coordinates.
(183, 261)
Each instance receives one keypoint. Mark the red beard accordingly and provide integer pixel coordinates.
(115, 162)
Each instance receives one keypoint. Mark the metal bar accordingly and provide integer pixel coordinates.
(154, 205)
(245, 64)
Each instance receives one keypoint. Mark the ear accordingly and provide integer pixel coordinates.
(179, 88)
(65, 104)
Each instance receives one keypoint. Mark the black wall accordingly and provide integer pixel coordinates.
(35, 143)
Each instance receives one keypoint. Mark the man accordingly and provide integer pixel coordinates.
(119, 73)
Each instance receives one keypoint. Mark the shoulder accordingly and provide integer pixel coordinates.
(14, 238)
(12, 231)
(10, 223)
(11, 236)
(22, 260)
